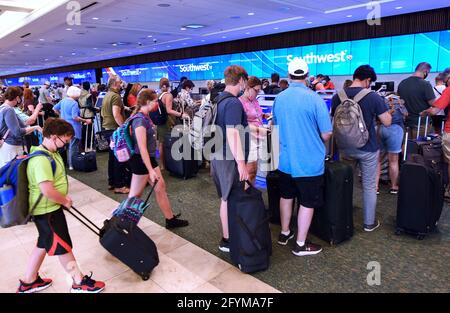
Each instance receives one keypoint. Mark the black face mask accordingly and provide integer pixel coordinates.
(425, 75)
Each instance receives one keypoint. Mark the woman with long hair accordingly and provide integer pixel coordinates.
(143, 164)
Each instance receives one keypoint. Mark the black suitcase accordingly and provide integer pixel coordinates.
(131, 245)
(186, 167)
(248, 222)
(420, 197)
(126, 241)
(85, 161)
(333, 222)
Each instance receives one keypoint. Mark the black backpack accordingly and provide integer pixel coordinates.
(159, 117)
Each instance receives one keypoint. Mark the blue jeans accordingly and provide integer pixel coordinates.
(74, 148)
(368, 162)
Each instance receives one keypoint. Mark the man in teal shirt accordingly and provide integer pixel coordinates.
(304, 125)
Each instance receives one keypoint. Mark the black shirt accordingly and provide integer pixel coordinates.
(230, 113)
(416, 92)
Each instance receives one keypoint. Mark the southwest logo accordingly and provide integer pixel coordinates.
(312, 58)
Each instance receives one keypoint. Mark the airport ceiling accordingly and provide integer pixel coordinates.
(41, 34)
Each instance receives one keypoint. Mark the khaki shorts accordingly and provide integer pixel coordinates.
(446, 147)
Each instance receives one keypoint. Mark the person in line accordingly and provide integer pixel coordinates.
(227, 173)
(372, 107)
(418, 96)
(143, 164)
(255, 118)
(48, 215)
(304, 126)
(12, 128)
(162, 130)
(69, 111)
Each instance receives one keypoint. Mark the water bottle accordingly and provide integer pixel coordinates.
(6, 194)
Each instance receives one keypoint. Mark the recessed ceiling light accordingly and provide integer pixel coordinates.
(276, 28)
(203, 40)
(308, 22)
(114, 44)
(247, 33)
(183, 28)
(164, 5)
(10, 51)
(184, 43)
(95, 18)
(224, 37)
(41, 39)
(73, 53)
(168, 46)
(46, 60)
(61, 56)
(26, 45)
(398, 8)
(154, 48)
(194, 26)
(251, 13)
(149, 36)
(68, 28)
(95, 48)
(349, 15)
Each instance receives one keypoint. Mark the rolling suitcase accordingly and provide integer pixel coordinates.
(126, 241)
(101, 143)
(85, 161)
(333, 222)
(250, 238)
(182, 163)
(420, 197)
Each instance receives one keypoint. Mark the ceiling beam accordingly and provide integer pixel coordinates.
(14, 7)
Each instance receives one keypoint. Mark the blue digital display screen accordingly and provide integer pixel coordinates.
(78, 78)
(388, 55)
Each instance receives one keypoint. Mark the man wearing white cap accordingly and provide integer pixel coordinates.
(69, 110)
(46, 100)
(304, 125)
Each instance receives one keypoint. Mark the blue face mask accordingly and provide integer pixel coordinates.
(241, 93)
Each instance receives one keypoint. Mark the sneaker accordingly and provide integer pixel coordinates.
(123, 190)
(175, 222)
(393, 191)
(378, 192)
(88, 285)
(224, 245)
(372, 227)
(308, 248)
(283, 239)
(38, 285)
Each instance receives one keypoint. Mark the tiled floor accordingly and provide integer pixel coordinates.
(184, 267)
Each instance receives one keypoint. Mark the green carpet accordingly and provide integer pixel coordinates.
(407, 265)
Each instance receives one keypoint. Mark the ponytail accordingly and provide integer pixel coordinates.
(144, 96)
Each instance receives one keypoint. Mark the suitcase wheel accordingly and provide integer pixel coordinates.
(420, 237)
(145, 276)
(398, 231)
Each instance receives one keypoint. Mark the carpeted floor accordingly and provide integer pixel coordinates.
(407, 265)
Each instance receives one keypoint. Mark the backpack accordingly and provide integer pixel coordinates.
(159, 117)
(122, 142)
(349, 127)
(203, 124)
(14, 194)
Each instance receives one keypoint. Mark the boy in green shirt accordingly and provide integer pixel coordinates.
(48, 215)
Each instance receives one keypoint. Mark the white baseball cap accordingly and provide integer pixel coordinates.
(47, 83)
(73, 91)
(298, 67)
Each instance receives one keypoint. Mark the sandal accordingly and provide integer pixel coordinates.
(123, 190)
(393, 191)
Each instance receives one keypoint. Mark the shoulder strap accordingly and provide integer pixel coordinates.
(360, 95)
(162, 95)
(440, 93)
(342, 95)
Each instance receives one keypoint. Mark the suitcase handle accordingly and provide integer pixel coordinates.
(84, 221)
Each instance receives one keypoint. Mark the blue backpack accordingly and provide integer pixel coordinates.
(14, 194)
(122, 142)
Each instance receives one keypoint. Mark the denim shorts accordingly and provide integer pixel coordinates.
(391, 138)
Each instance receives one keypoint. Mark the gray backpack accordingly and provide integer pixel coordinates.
(349, 128)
